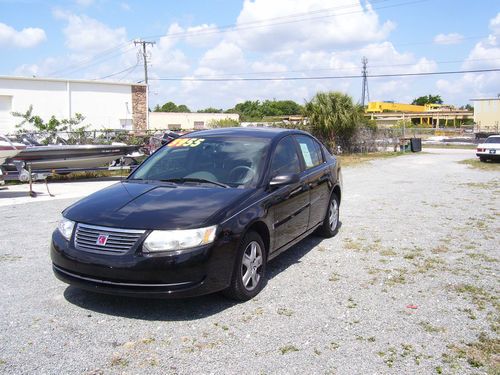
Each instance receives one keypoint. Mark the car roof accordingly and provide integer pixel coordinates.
(245, 132)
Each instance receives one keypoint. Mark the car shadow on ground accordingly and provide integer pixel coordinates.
(180, 309)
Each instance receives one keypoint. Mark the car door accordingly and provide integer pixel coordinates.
(290, 203)
(316, 176)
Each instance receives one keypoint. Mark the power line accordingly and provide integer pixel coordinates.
(91, 59)
(251, 25)
(324, 77)
(121, 71)
(347, 69)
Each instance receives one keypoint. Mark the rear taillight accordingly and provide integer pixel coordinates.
(480, 149)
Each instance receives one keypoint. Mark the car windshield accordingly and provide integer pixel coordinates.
(215, 161)
(493, 140)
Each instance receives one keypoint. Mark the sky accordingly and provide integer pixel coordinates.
(231, 40)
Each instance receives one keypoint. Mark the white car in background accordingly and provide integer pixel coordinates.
(490, 149)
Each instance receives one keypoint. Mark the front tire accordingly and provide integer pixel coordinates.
(331, 222)
(249, 269)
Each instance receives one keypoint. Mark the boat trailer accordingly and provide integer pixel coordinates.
(24, 173)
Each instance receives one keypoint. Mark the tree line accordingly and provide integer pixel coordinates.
(250, 110)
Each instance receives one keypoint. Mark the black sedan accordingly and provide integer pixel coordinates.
(204, 213)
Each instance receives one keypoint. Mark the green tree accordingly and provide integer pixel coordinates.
(210, 110)
(256, 110)
(171, 107)
(47, 130)
(223, 123)
(183, 108)
(428, 99)
(334, 118)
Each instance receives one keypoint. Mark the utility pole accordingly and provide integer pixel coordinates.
(365, 94)
(144, 56)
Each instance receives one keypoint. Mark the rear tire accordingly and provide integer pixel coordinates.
(483, 159)
(249, 271)
(330, 225)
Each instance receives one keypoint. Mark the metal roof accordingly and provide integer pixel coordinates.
(41, 79)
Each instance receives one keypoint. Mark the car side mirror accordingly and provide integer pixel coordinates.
(285, 179)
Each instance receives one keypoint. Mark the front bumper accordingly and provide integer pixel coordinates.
(190, 273)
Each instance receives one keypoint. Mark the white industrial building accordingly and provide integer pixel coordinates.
(186, 120)
(487, 115)
(105, 105)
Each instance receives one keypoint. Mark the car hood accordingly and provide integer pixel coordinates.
(156, 206)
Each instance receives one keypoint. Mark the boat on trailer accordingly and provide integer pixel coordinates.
(9, 149)
(73, 156)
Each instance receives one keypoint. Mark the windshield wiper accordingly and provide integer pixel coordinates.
(192, 179)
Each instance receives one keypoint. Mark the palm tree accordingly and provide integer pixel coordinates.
(334, 118)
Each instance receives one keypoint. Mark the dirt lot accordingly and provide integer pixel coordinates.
(409, 285)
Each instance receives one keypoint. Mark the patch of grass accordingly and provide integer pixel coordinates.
(428, 327)
(396, 278)
(288, 349)
(351, 304)
(334, 346)
(334, 277)
(117, 360)
(222, 326)
(479, 296)
(388, 252)
(350, 244)
(390, 357)
(481, 353)
(450, 146)
(440, 249)
(470, 314)
(429, 264)
(284, 311)
(9, 258)
(482, 257)
(485, 166)
(350, 160)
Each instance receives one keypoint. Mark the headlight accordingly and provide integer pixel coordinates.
(66, 226)
(172, 240)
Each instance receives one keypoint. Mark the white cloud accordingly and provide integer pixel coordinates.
(26, 38)
(268, 26)
(452, 38)
(495, 24)
(224, 56)
(202, 35)
(89, 36)
(165, 59)
(485, 54)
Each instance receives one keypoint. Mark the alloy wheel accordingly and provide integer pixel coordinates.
(251, 266)
(333, 217)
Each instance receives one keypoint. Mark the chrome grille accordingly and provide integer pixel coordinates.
(118, 241)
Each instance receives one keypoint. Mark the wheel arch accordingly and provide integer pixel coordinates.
(261, 228)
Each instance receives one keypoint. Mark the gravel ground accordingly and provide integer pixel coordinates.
(409, 285)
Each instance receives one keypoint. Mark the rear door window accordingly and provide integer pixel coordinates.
(310, 150)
